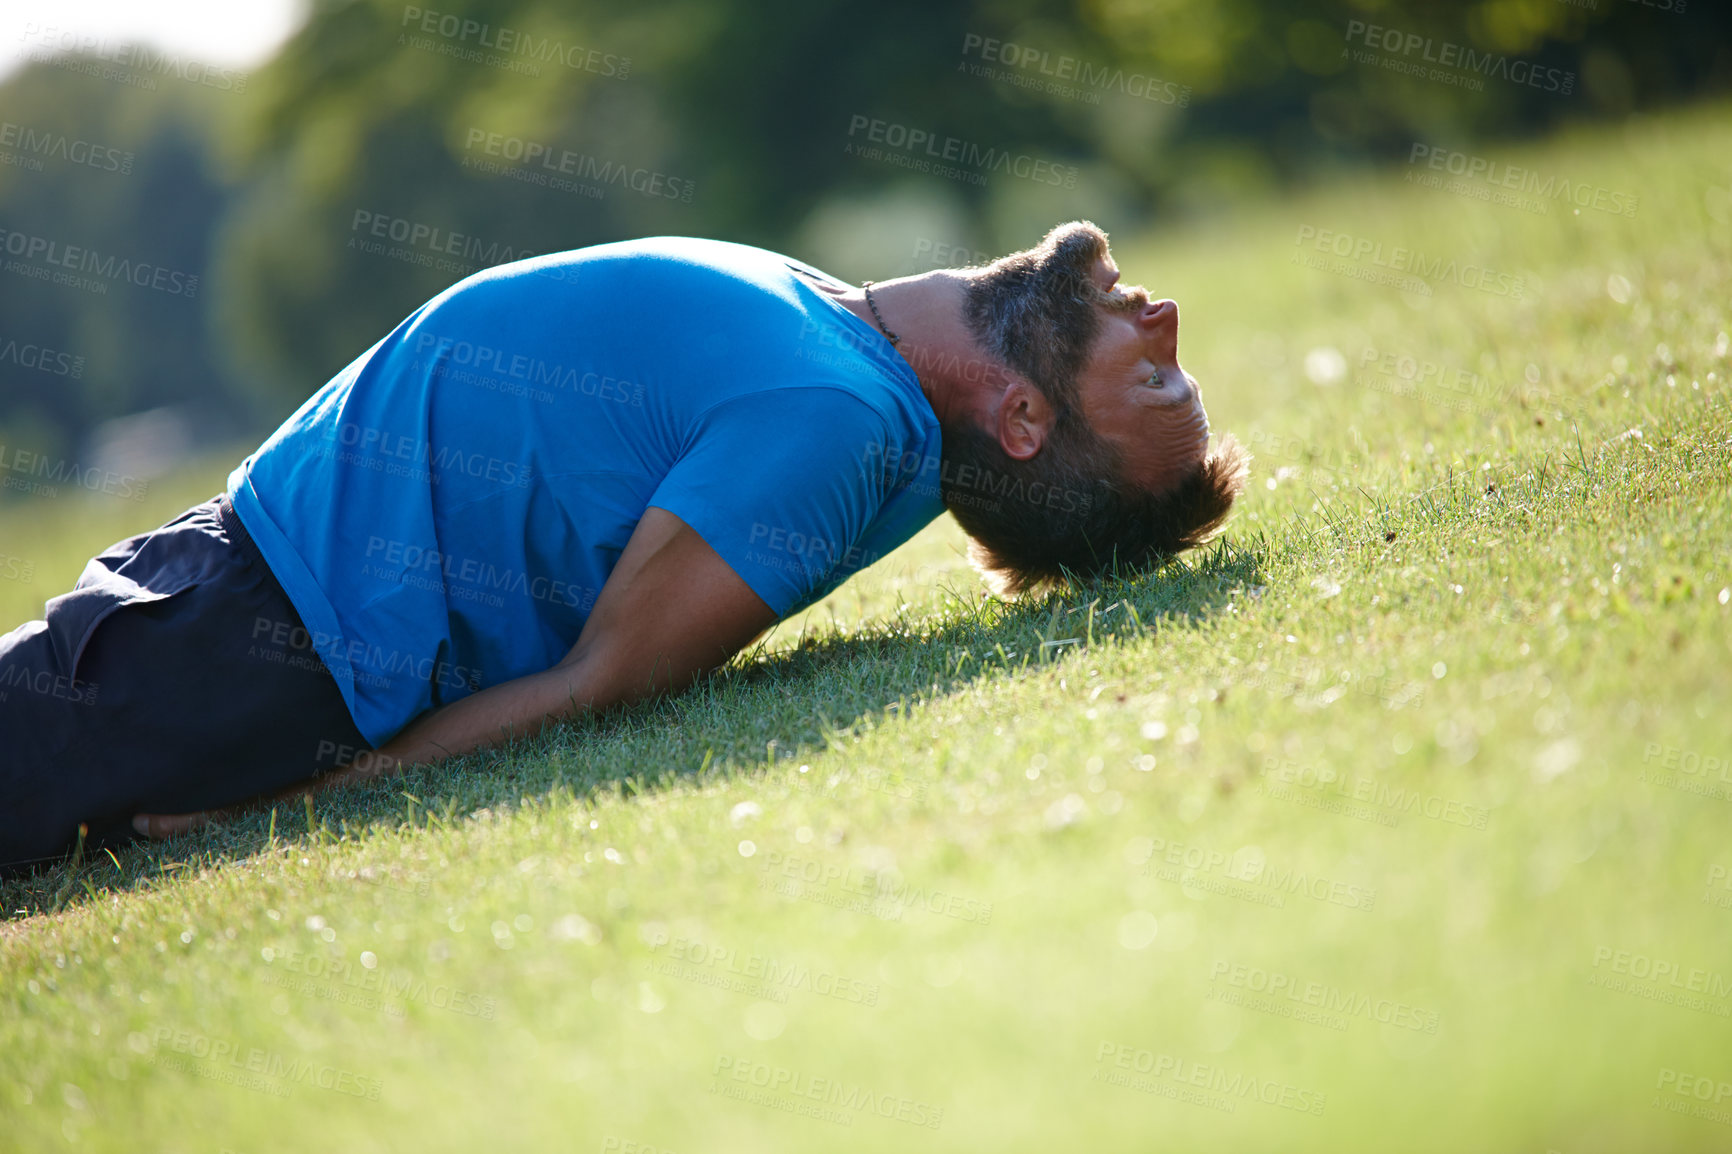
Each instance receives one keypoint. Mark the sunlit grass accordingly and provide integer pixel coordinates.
(1424, 746)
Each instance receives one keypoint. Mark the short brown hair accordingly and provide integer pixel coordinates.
(1035, 310)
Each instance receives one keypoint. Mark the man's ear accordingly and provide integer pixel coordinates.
(1024, 420)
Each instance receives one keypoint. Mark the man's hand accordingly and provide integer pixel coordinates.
(369, 763)
(672, 610)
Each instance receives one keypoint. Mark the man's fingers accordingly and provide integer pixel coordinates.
(159, 825)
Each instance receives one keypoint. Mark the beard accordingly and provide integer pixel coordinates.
(1022, 512)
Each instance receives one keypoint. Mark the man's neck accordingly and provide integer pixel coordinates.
(926, 314)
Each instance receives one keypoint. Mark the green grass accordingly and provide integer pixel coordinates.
(1425, 742)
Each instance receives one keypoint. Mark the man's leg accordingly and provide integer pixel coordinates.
(176, 677)
(45, 709)
(39, 721)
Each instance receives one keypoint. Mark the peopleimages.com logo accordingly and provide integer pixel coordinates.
(949, 155)
(33, 144)
(63, 262)
(1397, 265)
(1448, 62)
(539, 162)
(506, 44)
(1063, 75)
(41, 358)
(1498, 182)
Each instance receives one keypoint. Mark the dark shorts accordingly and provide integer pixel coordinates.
(175, 677)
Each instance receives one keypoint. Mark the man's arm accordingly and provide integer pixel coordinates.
(671, 611)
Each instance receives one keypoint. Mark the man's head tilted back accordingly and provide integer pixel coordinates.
(1118, 471)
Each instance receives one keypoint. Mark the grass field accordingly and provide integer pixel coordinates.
(1396, 821)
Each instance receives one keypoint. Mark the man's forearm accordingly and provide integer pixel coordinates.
(517, 708)
(671, 610)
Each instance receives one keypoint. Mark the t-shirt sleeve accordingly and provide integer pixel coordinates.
(782, 485)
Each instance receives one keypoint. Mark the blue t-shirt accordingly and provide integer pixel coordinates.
(444, 512)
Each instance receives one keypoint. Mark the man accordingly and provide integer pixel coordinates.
(580, 479)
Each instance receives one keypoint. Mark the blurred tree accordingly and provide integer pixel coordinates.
(759, 104)
(101, 173)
